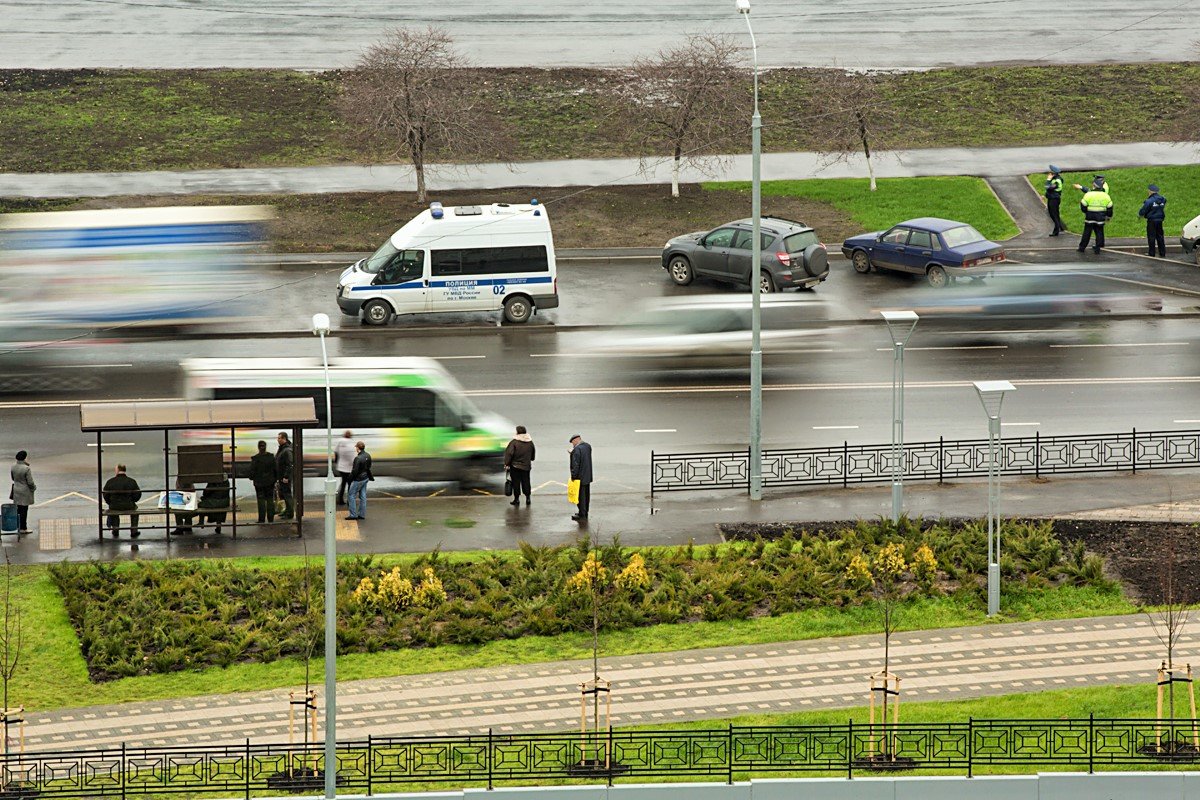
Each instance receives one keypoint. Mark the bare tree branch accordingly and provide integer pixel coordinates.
(685, 98)
(851, 117)
(414, 95)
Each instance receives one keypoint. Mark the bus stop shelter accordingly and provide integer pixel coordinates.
(204, 462)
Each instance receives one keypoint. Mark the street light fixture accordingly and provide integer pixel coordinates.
(991, 394)
(901, 325)
(756, 478)
(320, 327)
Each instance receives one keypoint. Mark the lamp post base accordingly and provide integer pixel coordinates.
(993, 589)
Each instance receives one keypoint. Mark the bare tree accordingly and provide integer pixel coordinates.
(10, 644)
(412, 94)
(1169, 621)
(850, 115)
(688, 100)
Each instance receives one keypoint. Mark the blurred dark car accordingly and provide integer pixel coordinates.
(940, 249)
(792, 255)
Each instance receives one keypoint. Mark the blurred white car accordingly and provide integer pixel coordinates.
(713, 331)
(1190, 236)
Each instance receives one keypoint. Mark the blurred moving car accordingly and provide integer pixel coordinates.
(712, 331)
(939, 249)
(1190, 236)
(792, 255)
(1051, 291)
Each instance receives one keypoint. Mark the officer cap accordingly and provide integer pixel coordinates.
(1099, 182)
(1153, 187)
(1055, 169)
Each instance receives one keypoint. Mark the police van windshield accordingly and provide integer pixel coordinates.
(379, 258)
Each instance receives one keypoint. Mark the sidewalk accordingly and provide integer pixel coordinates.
(591, 172)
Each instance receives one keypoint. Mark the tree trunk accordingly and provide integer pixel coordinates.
(419, 167)
(862, 135)
(675, 165)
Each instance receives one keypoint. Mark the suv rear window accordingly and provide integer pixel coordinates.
(798, 242)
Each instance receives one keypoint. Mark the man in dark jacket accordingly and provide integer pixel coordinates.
(360, 474)
(518, 460)
(1154, 211)
(284, 462)
(215, 496)
(581, 470)
(122, 494)
(262, 474)
(1054, 187)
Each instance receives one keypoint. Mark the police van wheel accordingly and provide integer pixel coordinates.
(377, 312)
(517, 309)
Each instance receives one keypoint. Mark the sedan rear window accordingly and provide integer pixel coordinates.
(799, 242)
(964, 234)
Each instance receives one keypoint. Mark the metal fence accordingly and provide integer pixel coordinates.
(941, 460)
(731, 753)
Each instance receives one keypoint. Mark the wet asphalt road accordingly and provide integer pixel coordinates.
(853, 33)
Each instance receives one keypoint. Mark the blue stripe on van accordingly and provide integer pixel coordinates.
(456, 282)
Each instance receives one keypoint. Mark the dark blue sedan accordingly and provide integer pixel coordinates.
(939, 249)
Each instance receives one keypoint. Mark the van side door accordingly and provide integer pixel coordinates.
(455, 283)
(402, 281)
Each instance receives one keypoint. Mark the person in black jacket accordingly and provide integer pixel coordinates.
(284, 462)
(581, 470)
(1154, 210)
(360, 474)
(122, 494)
(215, 496)
(263, 476)
(518, 460)
(1054, 187)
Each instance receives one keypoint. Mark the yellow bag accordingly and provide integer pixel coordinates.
(573, 491)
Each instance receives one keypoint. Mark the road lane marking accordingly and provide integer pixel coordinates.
(950, 347)
(655, 430)
(835, 427)
(85, 366)
(1185, 421)
(1023, 330)
(455, 358)
(1127, 344)
(114, 444)
(64, 497)
(1020, 424)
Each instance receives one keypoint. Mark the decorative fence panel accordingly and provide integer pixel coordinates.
(379, 764)
(936, 460)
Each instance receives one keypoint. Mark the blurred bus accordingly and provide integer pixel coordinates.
(414, 417)
(129, 267)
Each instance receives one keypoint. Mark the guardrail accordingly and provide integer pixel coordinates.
(934, 460)
(730, 753)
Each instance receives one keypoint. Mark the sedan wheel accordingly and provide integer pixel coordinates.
(680, 270)
(765, 284)
(861, 261)
(937, 277)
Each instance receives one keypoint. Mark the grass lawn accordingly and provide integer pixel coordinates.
(896, 199)
(67, 120)
(52, 672)
(1127, 186)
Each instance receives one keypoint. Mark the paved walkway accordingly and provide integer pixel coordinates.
(591, 172)
(689, 685)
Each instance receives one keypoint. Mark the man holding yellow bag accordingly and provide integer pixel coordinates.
(581, 476)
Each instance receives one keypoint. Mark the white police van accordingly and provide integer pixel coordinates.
(459, 258)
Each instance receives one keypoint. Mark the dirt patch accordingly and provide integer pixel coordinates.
(1134, 553)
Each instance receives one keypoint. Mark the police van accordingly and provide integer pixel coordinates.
(457, 258)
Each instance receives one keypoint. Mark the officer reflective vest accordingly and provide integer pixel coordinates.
(1096, 206)
(1054, 187)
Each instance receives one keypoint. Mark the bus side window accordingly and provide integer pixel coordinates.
(445, 416)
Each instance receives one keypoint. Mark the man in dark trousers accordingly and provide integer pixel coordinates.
(1154, 211)
(122, 494)
(262, 475)
(518, 460)
(215, 496)
(1097, 209)
(284, 462)
(581, 470)
(1054, 187)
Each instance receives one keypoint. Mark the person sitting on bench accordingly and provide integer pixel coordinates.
(122, 494)
(215, 495)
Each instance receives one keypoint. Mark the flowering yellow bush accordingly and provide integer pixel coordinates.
(364, 594)
(430, 592)
(924, 567)
(591, 576)
(395, 592)
(634, 576)
(858, 572)
(889, 563)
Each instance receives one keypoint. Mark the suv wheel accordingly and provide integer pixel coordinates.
(680, 270)
(816, 260)
(765, 283)
(861, 262)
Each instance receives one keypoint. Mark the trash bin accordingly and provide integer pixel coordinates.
(10, 521)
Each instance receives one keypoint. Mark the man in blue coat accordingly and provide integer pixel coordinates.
(1154, 211)
(581, 470)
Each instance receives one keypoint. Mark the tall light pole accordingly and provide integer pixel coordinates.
(320, 327)
(901, 325)
(756, 479)
(991, 394)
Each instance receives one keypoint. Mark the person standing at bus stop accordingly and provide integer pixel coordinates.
(518, 460)
(581, 470)
(343, 463)
(285, 463)
(262, 475)
(23, 488)
(360, 474)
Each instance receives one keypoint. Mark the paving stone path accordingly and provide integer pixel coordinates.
(687, 685)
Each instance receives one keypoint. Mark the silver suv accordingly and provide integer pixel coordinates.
(792, 256)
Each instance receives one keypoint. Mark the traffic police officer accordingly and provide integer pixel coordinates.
(1097, 209)
(1097, 181)
(1054, 187)
(1154, 209)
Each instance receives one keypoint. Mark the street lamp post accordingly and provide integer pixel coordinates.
(320, 327)
(901, 325)
(756, 479)
(991, 394)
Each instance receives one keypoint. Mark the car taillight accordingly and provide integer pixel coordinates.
(784, 258)
(972, 262)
